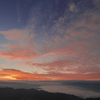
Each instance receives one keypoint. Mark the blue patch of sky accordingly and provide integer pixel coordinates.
(84, 5)
(47, 12)
(3, 41)
(9, 14)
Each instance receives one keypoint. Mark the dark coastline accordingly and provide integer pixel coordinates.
(34, 94)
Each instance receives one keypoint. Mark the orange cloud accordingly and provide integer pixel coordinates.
(23, 47)
(71, 65)
(51, 53)
(11, 74)
(67, 37)
(73, 34)
(17, 52)
(57, 39)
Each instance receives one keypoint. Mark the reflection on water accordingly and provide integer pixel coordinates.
(71, 90)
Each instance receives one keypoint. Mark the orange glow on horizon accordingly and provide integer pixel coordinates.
(10, 74)
(8, 78)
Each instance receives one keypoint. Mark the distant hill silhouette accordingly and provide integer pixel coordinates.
(33, 94)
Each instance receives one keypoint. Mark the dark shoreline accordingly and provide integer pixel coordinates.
(34, 94)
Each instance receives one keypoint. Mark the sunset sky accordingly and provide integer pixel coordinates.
(49, 40)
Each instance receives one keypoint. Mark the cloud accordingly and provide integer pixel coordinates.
(22, 48)
(67, 37)
(71, 38)
(70, 65)
(18, 53)
(10, 74)
(73, 8)
(17, 35)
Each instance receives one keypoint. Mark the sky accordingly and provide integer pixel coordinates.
(49, 40)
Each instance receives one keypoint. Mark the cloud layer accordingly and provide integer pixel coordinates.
(63, 39)
(11, 74)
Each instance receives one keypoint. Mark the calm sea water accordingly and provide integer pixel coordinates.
(71, 90)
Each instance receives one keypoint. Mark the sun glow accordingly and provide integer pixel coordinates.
(8, 78)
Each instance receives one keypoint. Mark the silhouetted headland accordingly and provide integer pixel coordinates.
(33, 94)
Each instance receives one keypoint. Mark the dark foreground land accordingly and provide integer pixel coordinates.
(32, 94)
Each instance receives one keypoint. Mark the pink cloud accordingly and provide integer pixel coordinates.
(73, 34)
(17, 52)
(15, 34)
(67, 37)
(57, 39)
(22, 48)
(83, 65)
(78, 54)
(74, 48)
